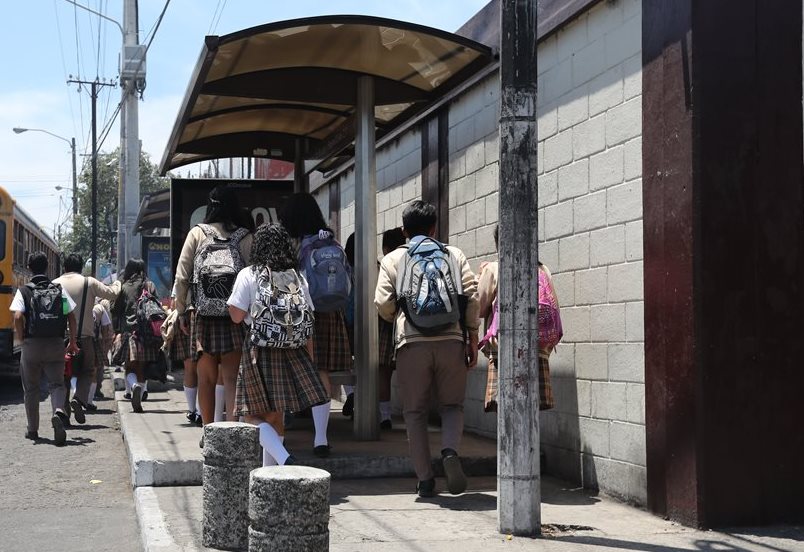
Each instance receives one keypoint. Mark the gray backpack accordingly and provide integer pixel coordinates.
(281, 316)
(215, 268)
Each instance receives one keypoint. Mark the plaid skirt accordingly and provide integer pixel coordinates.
(277, 380)
(130, 349)
(332, 350)
(216, 336)
(101, 354)
(386, 343)
(180, 346)
(546, 400)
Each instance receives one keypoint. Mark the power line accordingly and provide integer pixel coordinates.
(215, 13)
(78, 63)
(64, 66)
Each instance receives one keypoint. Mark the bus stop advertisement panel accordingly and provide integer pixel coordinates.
(188, 204)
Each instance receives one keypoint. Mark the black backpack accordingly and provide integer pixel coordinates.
(150, 317)
(44, 310)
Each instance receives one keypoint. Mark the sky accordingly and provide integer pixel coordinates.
(44, 42)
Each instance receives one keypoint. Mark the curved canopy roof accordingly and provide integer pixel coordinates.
(257, 92)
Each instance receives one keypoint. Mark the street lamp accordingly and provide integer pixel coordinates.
(18, 130)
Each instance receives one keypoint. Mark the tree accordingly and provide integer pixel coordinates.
(79, 239)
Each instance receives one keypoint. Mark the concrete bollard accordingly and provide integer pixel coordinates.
(288, 510)
(231, 451)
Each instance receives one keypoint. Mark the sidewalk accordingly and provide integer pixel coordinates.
(385, 515)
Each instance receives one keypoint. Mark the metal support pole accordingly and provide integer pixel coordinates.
(519, 483)
(301, 183)
(128, 202)
(94, 252)
(122, 251)
(75, 183)
(367, 425)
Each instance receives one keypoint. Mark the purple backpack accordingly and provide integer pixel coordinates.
(550, 329)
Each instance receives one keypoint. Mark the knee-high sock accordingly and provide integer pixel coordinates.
(219, 403)
(73, 384)
(272, 443)
(145, 385)
(92, 387)
(348, 389)
(385, 410)
(191, 394)
(321, 421)
(267, 459)
(131, 381)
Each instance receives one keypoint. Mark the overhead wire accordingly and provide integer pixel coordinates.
(78, 63)
(64, 67)
(220, 13)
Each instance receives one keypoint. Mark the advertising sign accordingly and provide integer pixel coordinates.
(188, 203)
(157, 265)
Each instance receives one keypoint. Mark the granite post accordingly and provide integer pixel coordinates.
(288, 510)
(231, 451)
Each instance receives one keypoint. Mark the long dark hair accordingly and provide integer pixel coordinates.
(134, 268)
(273, 248)
(301, 215)
(224, 207)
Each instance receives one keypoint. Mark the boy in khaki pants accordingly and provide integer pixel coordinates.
(427, 290)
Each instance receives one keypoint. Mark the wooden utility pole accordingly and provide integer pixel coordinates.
(519, 484)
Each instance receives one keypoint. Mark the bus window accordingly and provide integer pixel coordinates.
(2, 239)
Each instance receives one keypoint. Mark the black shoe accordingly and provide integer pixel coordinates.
(136, 399)
(127, 396)
(32, 435)
(201, 442)
(349, 406)
(59, 435)
(426, 489)
(99, 396)
(456, 479)
(91, 407)
(192, 417)
(78, 411)
(386, 424)
(290, 461)
(321, 451)
(145, 395)
(199, 421)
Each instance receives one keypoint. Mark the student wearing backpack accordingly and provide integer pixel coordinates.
(427, 289)
(138, 342)
(550, 330)
(277, 373)
(85, 290)
(43, 310)
(103, 338)
(214, 252)
(322, 262)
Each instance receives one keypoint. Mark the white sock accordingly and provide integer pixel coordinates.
(219, 403)
(321, 421)
(267, 459)
(73, 384)
(145, 385)
(348, 389)
(385, 410)
(191, 394)
(272, 443)
(131, 381)
(92, 388)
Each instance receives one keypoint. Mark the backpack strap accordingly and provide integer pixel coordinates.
(236, 236)
(83, 300)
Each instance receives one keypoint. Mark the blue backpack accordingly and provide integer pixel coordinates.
(326, 270)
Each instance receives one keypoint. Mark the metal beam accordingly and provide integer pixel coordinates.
(367, 426)
(519, 484)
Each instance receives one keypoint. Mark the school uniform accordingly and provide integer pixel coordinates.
(129, 347)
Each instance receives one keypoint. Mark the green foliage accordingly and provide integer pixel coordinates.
(79, 239)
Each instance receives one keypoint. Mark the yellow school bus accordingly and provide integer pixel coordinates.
(20, 236)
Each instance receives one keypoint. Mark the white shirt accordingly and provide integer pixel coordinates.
(18, 303)
(244, 292)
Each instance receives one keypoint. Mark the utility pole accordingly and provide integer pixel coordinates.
(75, 182)
(132, 82)
(94, 85)
(519, 484)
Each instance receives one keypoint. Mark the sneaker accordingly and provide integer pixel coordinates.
(59, 435)
(78, 411)
(321, 451)
(32, 435)
(99, 396)
(426, 489)
(91, 407)
(386, 424)
(145, 396)
(456, 479)
(349, 406)
(127, 396)
(136, 399)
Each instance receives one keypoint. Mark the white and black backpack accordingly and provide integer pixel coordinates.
(281, 316)
(215, 267)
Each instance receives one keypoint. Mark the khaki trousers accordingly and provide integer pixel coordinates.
(438, 367)
(44, 354)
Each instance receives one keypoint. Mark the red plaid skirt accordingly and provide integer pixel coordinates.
(332, 350)
(130, 349)
(546, 400)
(216, 336)
(277, 380)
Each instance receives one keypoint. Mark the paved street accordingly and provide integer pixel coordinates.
(49, 502)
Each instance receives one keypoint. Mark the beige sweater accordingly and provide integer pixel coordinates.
(385, 300)
(184, 270)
